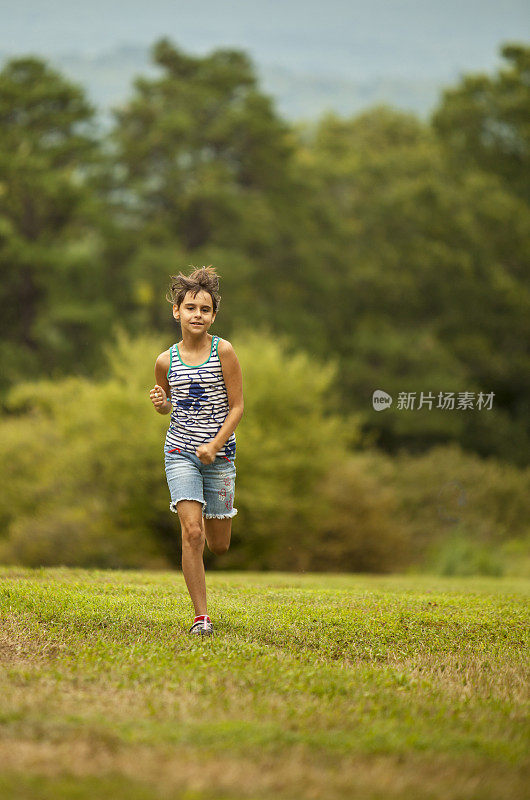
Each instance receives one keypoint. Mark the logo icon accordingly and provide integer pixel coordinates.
(381, 400)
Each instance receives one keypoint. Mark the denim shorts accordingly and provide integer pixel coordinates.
(213, 485)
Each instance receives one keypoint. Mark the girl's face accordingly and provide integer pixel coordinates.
(195, 313)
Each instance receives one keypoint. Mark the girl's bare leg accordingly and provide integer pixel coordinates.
(218, 532)
(193, 538)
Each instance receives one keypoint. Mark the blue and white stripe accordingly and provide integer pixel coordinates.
(200, 403)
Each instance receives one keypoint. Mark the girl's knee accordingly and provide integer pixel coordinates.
(219, 548)
(218, 532)
(192, 533)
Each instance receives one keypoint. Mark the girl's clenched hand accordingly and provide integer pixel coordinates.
(206, 453)
(158, 396)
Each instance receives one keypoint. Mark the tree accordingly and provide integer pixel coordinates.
(484, 122)
(50, 249)
(433, 292)
(200, 145)
(205, 168)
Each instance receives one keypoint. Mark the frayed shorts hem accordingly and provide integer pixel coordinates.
(173, 504)
(173, 507)
(221, 516)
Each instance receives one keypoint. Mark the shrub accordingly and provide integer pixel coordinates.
(81, 467)
(457, 505)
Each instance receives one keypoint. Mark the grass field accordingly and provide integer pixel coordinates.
(315, 686)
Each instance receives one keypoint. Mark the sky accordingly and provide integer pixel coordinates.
(337, 37)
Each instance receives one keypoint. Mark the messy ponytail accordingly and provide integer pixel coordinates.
(204, 278)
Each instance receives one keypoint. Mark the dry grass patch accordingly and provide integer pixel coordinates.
(297, 774)
(474, 677)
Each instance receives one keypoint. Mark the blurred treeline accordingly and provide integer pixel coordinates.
(377, 252)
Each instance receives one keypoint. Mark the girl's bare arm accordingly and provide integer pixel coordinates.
(233, 379)
(160, 391)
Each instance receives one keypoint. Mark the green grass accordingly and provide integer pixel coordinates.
(317, 686)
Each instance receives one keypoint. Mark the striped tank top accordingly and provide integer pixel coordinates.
(200, 403)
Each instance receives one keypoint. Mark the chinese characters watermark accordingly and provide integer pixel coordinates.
(446, 401)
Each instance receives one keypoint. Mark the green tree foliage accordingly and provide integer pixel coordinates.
(84, 484)
(196, 140)
(485, 121)
(82, 468)
(287, 444)
(434, 296)
(377, 242)
(205, 170)
(55, 310)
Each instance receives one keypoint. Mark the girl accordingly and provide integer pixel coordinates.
(199, 381)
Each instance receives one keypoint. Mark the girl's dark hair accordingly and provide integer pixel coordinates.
(204, 278)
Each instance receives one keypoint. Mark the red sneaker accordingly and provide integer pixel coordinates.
(202, 626)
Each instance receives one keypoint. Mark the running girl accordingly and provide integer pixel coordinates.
(199, 381)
